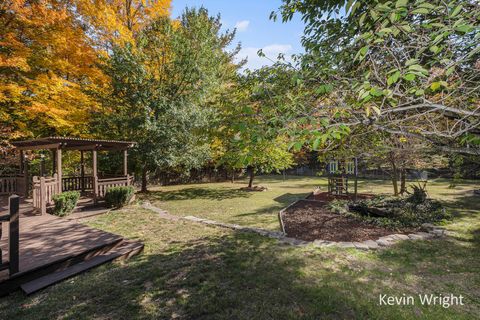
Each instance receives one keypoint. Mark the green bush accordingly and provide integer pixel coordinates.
(117, 197)
(396, 213)
(65, 202)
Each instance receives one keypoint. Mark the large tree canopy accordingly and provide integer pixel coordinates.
(163, 86)
(49, 51)
(409, 68)
(250, 130)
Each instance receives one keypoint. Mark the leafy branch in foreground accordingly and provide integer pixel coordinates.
(408, 68)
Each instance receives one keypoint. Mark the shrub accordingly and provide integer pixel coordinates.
(338, 206)
(395, 213)
(65, 202)
(418, 194)
(117, 197)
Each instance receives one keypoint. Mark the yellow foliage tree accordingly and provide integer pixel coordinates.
(49, 51)
(118, 21)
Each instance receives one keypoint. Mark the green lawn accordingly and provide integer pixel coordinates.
(226, 202)
(192, 271)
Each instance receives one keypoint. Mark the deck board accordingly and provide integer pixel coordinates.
(47, 239)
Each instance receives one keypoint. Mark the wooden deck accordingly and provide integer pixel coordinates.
(49, 243)
(48, 239)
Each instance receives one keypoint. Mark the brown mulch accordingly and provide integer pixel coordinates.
(325, 196)
(310, 220)
(254, 188)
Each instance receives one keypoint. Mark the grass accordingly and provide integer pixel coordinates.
(192, 271)
(227, 203)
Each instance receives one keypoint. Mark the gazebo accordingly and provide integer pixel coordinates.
(43, 188)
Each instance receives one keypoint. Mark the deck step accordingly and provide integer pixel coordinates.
(124, 250)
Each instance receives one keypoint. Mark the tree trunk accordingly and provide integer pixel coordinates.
(395, 184)
(251, 173)
(233, 176)
(403, 180)
(394, 174)
(144, 179)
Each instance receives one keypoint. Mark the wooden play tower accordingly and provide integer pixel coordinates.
(340, 173)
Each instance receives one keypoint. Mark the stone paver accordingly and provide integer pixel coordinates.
(344, 244)
(361, 245)
(383, 243)
(400, 236)
(371, 244)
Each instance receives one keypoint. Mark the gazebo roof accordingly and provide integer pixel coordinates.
(68, 143)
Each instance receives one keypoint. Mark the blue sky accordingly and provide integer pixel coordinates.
(254, 29)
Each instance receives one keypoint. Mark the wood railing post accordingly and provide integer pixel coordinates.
(27, 182)
(57, 189)
(14, 234)
(43, 196)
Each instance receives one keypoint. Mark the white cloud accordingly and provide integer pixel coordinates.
(242, 25)
(271, 52)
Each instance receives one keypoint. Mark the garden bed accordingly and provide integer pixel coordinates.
(327, 197)
(311, 220)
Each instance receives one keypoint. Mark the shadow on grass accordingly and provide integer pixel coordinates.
(197, 193)
(467, 205)
(283, 201)
(236, 276)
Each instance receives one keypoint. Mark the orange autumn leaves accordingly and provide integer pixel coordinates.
(49, 54)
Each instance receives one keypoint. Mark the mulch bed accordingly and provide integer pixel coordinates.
(311, 220)
(325, 196)
(254, 188)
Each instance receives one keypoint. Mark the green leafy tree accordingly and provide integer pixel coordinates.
(403, 67)
(250, 128)
(163, 88)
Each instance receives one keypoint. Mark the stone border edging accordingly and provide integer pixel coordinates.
(386, 241)
(432, 231)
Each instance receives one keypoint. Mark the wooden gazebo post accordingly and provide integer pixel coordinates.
(125, 162)
(95, 175)
(58, 161)
(82, 171)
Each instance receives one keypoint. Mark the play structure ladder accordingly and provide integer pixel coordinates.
(338, 185)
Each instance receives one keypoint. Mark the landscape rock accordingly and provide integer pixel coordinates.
(361, 245)
(427, 226)
(345, 244)
(291, 241)
(324, 243)
(192, 218)
(371, 244)
(389, 238)
(400, 236)
(438, 232)
(425, 235)
(384, 243)
(415, 236)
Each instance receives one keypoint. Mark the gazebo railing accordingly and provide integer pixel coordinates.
(104, 184)
(43, 191)
(12, 184)
(77, 183)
